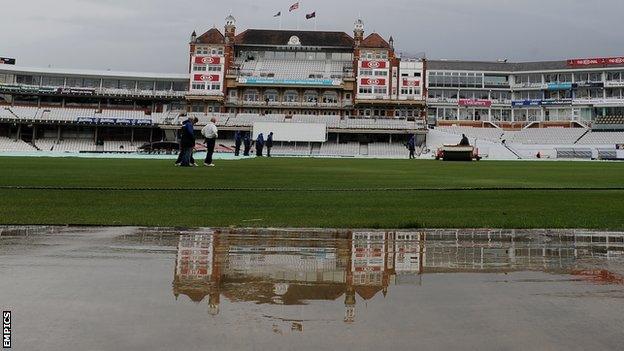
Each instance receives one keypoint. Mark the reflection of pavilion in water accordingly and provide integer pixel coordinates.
(290, 268)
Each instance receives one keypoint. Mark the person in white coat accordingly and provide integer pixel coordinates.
(211, 133)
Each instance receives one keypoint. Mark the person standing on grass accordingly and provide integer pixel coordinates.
(411, 146)
(269, 144)
(259, 145)
(180, 148)
(211, 133)
(187, 143)
(238, 140)
(247, 143)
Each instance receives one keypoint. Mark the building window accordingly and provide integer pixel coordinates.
(270, 96)
(199, 68)
(58, 81)
(251, 95)
(291, 96)
(214, 68)
(310, 96)
(381, 90)
(330, 98)
(199, 86)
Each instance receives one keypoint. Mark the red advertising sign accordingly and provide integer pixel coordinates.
(373, 81)
(410, 83)
(598, 61)
(475, 103)
(207, 60)
(206, 78)
(374, 64)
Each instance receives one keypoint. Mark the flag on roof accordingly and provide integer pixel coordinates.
(277, 14)
(311, 15)
(294, 7)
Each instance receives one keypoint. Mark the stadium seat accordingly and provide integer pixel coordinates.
(602, 138)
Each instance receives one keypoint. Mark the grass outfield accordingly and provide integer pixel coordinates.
(333, 193)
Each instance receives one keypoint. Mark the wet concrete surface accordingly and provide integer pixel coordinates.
(166, 289)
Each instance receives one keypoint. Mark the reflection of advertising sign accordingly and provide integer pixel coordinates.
(604, 61)
(206, 78)
(207, 60)
(410, 83)
(374, 64)
(373, 81)
(474, 103)
(367, 269)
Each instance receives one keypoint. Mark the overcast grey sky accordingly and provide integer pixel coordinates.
(152, 35)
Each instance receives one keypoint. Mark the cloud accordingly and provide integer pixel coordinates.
(152, 35)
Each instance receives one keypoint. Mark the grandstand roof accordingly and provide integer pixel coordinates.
(375, 40)
(90, 73)
(505, 66)
(212, 36)
(268, 37)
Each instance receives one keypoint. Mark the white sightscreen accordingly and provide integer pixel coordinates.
(306, 132)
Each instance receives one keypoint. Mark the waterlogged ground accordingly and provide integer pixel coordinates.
(150, 289)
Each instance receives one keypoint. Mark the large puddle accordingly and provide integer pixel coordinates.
(153, 289)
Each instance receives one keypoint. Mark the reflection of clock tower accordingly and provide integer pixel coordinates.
(350, 305)
(350, 290)
(218, 257)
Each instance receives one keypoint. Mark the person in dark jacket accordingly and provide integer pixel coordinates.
(411, 146)
(238, 140)
(180, 149)
(259, 145)
(187, 143)
(269, 144)
(247, 143)
(464, 141)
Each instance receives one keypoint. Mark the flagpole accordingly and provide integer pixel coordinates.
(298, 17)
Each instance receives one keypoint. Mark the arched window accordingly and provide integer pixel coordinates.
(291, 96)
(251, 95)
(270, 95)
(330, 97)
(310, 96)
